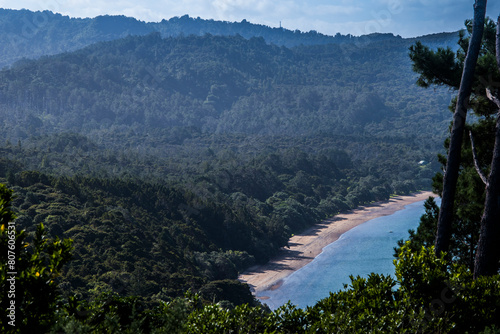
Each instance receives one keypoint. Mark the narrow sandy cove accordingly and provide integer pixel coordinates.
(306, 246)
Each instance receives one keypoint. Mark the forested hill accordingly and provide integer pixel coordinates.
(158, 96)
(27, 34)
(179, 161)
(221, 85)
(168, 160)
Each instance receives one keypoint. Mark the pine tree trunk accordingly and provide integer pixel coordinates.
(487, 253)
(488, 247)
(444, 228)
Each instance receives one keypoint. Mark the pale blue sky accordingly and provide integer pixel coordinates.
(407, 18)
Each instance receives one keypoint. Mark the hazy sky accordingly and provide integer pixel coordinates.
(407, 18)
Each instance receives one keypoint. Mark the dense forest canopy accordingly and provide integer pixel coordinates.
(171, 100)
(242, 142)
(224, 85)
(27, 34)
(167, 157)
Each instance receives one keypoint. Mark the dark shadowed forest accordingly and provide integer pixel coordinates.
(145, 165)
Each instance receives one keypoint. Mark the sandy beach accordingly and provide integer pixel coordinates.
(306, 246)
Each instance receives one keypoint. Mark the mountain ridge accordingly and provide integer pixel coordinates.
(180, 160)
(223, 77)
(28, 34)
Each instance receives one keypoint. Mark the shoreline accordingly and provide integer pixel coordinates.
(304, 247)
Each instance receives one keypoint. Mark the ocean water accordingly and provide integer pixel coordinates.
(362, 250)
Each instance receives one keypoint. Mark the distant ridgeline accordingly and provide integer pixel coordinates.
(27, 34)
(214, 80)
(177, 154)
(176, 97)
(193, 148)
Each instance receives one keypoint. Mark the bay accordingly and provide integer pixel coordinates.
(362, 250)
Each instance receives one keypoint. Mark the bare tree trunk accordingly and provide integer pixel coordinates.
(445, 219)
(476, 160)
(488, 247)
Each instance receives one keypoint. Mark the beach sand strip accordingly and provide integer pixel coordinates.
(304, 247)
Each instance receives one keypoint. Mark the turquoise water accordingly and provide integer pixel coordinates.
(364, 249)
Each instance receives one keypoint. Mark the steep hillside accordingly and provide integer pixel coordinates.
(174, 96)
(184, 159)
(27, 34)
(161, 161)
(223, 85)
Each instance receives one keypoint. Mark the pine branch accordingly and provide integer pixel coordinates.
(476, 162)
(492, 97)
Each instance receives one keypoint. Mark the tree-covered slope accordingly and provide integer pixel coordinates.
(221, 85)
(175, 100)
(180, 234)
(27, 34)
(182, 160)
(174, 163)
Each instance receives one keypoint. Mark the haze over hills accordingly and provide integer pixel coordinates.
(178, 153)
(24, 33)
(144, 166)
(157, 92)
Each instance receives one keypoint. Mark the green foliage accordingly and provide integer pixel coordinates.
(435, 67)
(231, 291)
(428, 293)
(110, 313)
(148, 106)
(259, 89)
(29, 273)
(367, 305)
(425, 234)
(443, 67)
(427, 296)
(6, 213)
(215, 319)
(219, 265)
(452, 300)
(174, 163)
(209, 226)
(420, 273)
(26, 34)
(171, 193)
(240, 142)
